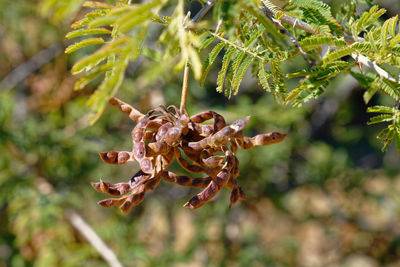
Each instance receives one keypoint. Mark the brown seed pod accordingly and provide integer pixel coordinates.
(165, 134)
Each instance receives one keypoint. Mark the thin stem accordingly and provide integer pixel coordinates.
(186, 71)
(219, 25)
(204, 10)
(185, 85)
(291, 37)
(21, 72)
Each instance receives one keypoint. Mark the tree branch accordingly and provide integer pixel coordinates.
(21, 72)
(91, 236)
(203, 11)
(82, 226)
(291, 37)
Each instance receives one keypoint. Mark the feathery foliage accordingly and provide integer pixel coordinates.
(249, 33)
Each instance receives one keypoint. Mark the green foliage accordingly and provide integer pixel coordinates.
(246, 37)
(59, 10)
(393, 130)
(129, 24)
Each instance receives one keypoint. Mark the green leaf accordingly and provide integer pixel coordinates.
(210, 60)
(82, 82)
(108, 88)
(279, 80)
(239, 73)
(206, 42)
(389, 139)
(195, 62)
(395, 40)
(263, 76)
(132, 21)
(224, 68)
(316, 41)
(96, 4)
(83, 43)
(384, 32)
(336, 55)
(134, 15)
(380, 118)
(92, 60)
(88, 18)
(392, 25)
(380, 109)
(383, 133)
(397, 141)
(103, 21)
(82, 32)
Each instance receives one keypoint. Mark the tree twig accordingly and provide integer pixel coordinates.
(203, 11)
(366, 61)
(76, 220)
(91, 236)
(291, 37)
(21, 72)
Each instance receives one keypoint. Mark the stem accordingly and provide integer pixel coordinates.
(185, 85)
(186, 71)
(204, 10)
(291, 37)
(21, 72)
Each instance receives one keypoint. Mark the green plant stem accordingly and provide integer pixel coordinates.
(185, 85)
(186, 71)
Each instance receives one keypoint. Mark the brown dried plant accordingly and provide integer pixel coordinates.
(164, 134)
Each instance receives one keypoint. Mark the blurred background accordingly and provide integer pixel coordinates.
(325, 196)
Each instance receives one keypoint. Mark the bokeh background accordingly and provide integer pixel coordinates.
(326, 196)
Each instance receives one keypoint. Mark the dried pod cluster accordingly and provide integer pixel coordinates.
(164, 134)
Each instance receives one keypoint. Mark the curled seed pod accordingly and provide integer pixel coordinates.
(164, 134)
(111, 202)
(116, 157)
(130, 201)
(111, 189)
(203, 197)
(134, 114)
(186, 180)
(213, 161)
(268, 138)
(221, 137)
(214, 186)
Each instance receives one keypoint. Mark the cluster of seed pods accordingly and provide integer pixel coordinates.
(165, 134)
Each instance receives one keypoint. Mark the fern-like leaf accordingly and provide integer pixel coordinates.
(210, 60)
(380, 109)
(239, 73)
(94, 59)
(263, 76)
(83, 32)
(224, 69)
(83, 43)
(279, 81)
(380, 118)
